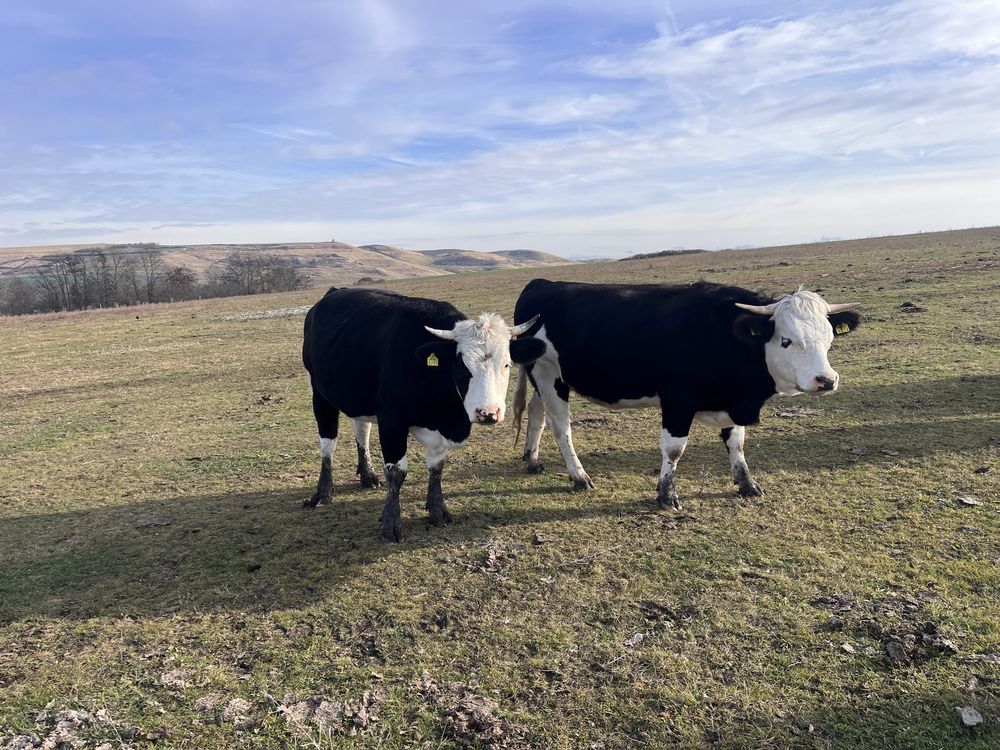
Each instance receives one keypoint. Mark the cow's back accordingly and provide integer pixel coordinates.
(359, 346)
(626, 341)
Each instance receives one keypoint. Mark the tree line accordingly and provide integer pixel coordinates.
(93, 278)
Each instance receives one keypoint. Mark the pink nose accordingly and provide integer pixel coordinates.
(488, 414)
(827, 383)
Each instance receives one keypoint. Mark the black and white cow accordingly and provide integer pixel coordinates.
(703, 353)
(416, 367)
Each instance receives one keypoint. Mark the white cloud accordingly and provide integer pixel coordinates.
(467, 125)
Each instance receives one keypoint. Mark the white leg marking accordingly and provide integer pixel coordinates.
(545, 372)
(536, 424)
(672, 448)
(402, 464)
(737, 461)
(436, 446)
(327, 446)
(362, 431)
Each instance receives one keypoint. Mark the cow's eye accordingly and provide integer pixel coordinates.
(785, 343)
(506, 367)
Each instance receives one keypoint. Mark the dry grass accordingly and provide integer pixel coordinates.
(151, 525)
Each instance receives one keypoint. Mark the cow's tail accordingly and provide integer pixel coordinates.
(520, 399)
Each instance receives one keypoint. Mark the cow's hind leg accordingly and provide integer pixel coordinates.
(555, 397)
(365, 471)
(393, 440)
(436, 450)
(733, 438)
(327, 422)
(536, 423)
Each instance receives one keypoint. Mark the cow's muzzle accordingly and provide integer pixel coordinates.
(822, 383)
(488, 415)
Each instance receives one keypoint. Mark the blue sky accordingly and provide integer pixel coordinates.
(582, 127)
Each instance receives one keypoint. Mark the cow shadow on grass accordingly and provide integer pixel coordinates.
(249, 552)
(263, 551)
(902, 422)
(818, 448)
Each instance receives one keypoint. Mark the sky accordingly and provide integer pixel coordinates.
(586, 128)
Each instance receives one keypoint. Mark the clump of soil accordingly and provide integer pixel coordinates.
(900, 624)
(498, 557)
(70, 729)
(467, 717)
(351, 717)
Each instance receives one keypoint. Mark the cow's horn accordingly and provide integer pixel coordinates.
(758, 309)
(519, 329)
(441, 333)
(841, 307)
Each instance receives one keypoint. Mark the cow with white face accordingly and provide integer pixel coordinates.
(796, 353)
(413, 366)
(703, 353)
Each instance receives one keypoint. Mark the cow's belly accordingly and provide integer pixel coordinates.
(626, 403)
(718, 419)
(368, 419)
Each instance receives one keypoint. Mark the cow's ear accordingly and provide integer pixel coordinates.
(751, 328)
(526, 350)
(844, 322)
(436, 353)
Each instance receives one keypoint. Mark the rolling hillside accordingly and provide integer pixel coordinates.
(336, 263)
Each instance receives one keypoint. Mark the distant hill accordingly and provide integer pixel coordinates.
(335, 263)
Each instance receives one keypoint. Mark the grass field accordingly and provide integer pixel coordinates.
(161, 584)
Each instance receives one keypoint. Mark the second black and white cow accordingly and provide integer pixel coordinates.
(703, 353)
(414, 366)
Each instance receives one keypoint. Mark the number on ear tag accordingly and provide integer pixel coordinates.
(842, 328)
(432, 360)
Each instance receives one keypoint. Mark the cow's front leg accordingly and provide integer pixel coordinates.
(536, 423)
(555, 399)
(437, 511)
(365, 471)
(393, 440)
(436, 449)
(733, 438)
(673, 441)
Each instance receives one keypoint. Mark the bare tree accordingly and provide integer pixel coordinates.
(180, 283)
(18, 296)
(152, 269)
(246, 273)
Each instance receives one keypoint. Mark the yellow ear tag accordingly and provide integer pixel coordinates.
(843, 328)
(432, 360)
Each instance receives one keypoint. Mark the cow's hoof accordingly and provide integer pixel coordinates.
(391, 534)
(582, 484)
(535, 467)
(666, 494)
(746, 484)
(316, 499)
(439, 517)
(370, 480)
(669, 502)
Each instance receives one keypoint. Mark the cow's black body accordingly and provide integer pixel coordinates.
(688, 349)
(366, 353)
(689, 345)
(360, 350)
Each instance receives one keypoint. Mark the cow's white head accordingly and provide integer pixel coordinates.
(798, 330)
(481, 359)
